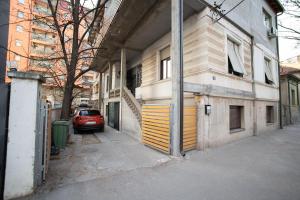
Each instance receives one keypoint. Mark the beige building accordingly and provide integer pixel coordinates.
(230, 70)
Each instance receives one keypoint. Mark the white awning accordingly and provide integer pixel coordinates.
(235, 58)
(268, 70)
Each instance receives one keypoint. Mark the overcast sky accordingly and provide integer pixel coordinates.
(288, 48)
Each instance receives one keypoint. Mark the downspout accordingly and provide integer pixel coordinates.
(290, 111)
(253, 89)
(279, 84)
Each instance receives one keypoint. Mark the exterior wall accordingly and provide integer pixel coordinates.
(205, 62)
(261, 120)
(21, 149)
(213, 129)
(130, 124)
(205, 57)
(249, 16)
(290, 113)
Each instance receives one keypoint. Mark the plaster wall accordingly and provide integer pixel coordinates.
(213, 129)
(19, 180)
(130, 124)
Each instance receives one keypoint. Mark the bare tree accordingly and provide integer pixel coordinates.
(72, 23)
(292, 13)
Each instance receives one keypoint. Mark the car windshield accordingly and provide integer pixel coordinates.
(89, 112)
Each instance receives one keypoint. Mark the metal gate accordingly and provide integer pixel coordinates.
(4, 108)
(42, 149)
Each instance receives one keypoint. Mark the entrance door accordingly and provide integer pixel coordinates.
(134, 77)
(113, 114)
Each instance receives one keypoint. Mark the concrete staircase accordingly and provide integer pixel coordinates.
(134, 105)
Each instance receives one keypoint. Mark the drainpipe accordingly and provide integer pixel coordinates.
(279, 85)
(253, 89)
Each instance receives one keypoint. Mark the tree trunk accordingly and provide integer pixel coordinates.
(67, 100)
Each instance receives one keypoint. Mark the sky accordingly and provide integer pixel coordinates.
(288, 48)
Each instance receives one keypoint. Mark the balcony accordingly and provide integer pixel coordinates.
(42, 37)
(41, 10)
(42, 51)
(41, 25)
(42, 64)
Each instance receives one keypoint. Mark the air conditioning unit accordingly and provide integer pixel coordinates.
(272, 32)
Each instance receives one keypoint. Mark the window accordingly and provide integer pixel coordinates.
(268, 72)
(21, 1)
(270, 114)
(235, 62)
(267, 19)
(89, 112)
(19, 28)
(236, 117)
(18, 43)
(17, 58)
(165, 64)
(20, 14)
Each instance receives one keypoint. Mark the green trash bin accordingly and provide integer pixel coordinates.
(60, 130)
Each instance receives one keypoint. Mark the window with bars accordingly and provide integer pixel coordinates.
(270, 114)
(236, 117)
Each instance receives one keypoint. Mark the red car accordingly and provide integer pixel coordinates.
(86, 119)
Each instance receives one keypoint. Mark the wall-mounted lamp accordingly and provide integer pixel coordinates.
(207, 109)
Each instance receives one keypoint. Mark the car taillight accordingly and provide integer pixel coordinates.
(78, 118)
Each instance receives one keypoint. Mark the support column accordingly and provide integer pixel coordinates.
(100, 93)
(110, 76)
(122, 82)
(177, 77)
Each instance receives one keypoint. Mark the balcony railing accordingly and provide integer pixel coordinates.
(42, 51)
(40, 24)
(36, 63)
(43, 38)
(41, 10)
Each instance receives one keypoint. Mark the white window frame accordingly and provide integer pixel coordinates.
(21, 1)
(158, 61)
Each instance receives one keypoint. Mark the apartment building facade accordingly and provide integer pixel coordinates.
(230, 67)
(31, 39)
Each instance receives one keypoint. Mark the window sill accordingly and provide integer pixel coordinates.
(236, 130)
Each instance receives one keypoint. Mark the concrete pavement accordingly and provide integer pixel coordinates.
(265, 167)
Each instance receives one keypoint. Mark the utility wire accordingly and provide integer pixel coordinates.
(223, 15)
